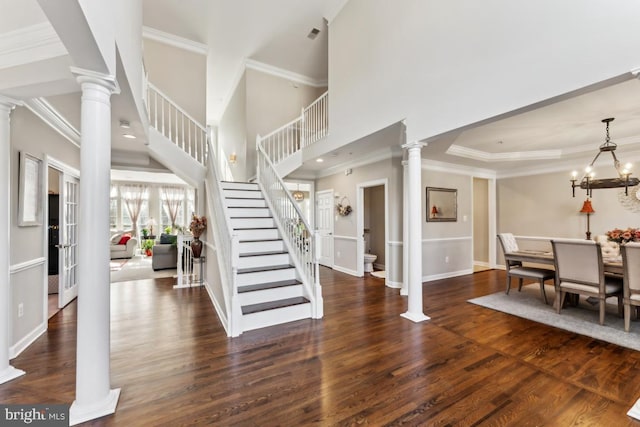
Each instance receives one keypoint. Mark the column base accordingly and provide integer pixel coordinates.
(415, 317)
(9, 374)
(634, 412)
(81, 413)
(404, 292)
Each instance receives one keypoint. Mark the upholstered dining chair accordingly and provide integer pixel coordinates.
(516, 269)
(631, 270)
(579, 270)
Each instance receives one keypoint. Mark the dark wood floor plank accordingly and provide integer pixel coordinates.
(362, 364)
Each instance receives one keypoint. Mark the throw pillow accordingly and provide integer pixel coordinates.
(124, 239)
(116, 238)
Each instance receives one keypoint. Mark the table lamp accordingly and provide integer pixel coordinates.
(434, 211)
(151, 223)
(587, 209)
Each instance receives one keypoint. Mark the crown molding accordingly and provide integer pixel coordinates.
(30, 44)
(175, 41)
(285, 74)
(483, 156)
(52, 117)
(438, 166)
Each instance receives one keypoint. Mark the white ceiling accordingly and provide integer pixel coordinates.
(557, 135)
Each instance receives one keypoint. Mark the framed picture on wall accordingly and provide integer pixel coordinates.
(442, 204)
(29, 191)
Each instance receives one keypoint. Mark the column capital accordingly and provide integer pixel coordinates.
(414, 144)
(107, 81)
(9, 104)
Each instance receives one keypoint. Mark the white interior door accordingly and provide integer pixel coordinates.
(324, 225)
(68, 246)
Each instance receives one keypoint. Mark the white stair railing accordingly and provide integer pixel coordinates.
(296, 231)
(309, 127)
(226, 245)
(176, 124)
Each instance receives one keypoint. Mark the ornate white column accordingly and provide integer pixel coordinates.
(413, 197)
(7, 372)
(94, 396)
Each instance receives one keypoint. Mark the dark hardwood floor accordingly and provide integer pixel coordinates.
(361, 365)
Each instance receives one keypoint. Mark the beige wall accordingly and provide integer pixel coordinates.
(232, 130)
(480, 220)
(31, 135)
(180, 74)
(542, 205)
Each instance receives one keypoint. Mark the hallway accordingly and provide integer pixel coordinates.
(361, 363)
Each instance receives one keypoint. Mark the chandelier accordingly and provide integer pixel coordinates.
(588, 182)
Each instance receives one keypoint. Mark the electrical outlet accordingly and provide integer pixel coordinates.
(446, 260)
(20, 310)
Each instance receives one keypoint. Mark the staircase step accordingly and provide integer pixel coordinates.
(271, 305)
(263, 260)
(264, 269)
(277, 316)
(269, 285)
(249, 212)
(257, 233)
(230, 185)
(234, 202)
(262, 294)
(244, 223)
(255, 276)
(243, 194)
(258, 246)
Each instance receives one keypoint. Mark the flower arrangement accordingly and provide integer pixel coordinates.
(198, 225)
(344, 210)
(624, 236)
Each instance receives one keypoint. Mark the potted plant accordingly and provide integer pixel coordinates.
(147, 246)
(145, 233)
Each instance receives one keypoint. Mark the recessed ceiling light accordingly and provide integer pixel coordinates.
(124, 124)
(128, 135)
(319, 160)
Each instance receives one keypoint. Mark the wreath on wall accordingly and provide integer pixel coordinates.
(343, 207)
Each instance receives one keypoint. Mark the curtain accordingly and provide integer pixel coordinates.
(133, 196)
(172, 198)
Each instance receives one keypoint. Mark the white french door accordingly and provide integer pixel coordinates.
(68, 245)
(324, 225)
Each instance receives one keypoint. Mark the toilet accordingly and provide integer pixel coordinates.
(369, 259)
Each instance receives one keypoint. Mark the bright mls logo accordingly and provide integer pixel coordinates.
(34, 415)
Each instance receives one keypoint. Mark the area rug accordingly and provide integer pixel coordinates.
(139, 268)
(582, 319)
(379, 274)
(117, 264)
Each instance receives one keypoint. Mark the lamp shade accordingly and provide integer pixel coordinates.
(587, 208)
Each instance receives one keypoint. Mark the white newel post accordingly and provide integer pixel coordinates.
(414, 203)
(94, 396)
(7, 372)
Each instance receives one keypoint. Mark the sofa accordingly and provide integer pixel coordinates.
(123, 245)
(165, 252)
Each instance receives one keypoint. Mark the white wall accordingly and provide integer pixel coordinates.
(232, 131)
(444, 65)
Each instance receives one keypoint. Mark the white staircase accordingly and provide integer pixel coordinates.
(268, 288)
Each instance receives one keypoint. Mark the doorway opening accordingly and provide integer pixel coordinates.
(53, 240)
(481, 258)
(373, 228)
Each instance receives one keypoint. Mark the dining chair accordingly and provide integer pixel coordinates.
(579, 270)
(631, 280)
(516, 269)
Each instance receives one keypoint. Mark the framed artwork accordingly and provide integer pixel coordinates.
(442, 204)
(29, 191)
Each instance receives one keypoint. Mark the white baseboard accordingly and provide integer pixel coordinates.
(345, 270)
(378, 266)
(482, 264)
(218, 308)
(446, 275)
(27, 340)
(394, 285)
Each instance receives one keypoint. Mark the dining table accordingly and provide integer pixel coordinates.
(612, 265)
